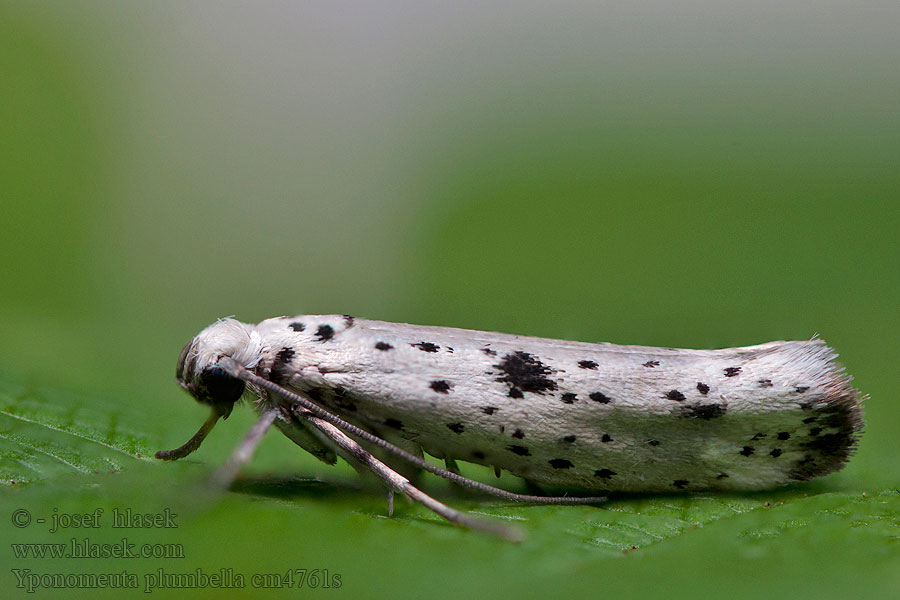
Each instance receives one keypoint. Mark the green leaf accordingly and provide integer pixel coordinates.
(45, 432)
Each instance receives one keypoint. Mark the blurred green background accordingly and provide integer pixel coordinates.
(690, 175)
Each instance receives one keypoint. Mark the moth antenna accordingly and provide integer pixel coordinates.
(237, 370)
(193, 443)
(397, 482)
(244, 452)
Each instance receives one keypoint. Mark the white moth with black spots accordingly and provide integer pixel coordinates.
(564, 415)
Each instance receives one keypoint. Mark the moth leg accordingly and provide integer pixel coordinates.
(244, 452)
(411, 471)
(298, 428)
(452, 467)
(399, 483)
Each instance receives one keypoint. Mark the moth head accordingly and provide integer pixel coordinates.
(198, 371)
(208, 383)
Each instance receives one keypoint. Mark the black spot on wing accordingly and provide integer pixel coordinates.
(675, 395)
(746, 451)
(588, 364)
(426, 346)
(799, 389)
(651, 364)
(456, 427)
(285, 355)
(832, 444)
(569, 398)
(324, 333)
(395, 423)
(722, 476)
(560, 463)
(775, 453)
(348, 321)
(383, 346)
(441, 386)
(520, 450)
(489, 410)
(518, 434)
(525, 373)
(604, 473)
(703, 411)
(702, 388)
(607, 438)
(732, 371)
(653, 442)
(297, 326)
(489, 352)
(784, 435)
(281, 371)
(680, 483)
(600, 397)
(757, 436)
(809, 420)
(569, 439)
(765, 383)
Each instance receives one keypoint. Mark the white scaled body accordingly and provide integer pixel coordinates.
(571, 415)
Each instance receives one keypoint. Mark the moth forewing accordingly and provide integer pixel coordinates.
(568, 415)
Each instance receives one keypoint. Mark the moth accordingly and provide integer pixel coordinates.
(572, 416)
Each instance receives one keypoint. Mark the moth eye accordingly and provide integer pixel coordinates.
(213, 373)
(218, 389)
